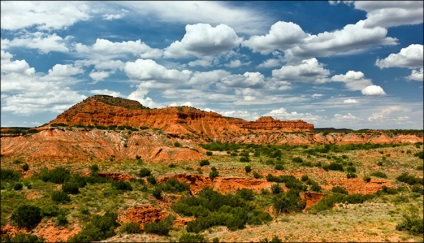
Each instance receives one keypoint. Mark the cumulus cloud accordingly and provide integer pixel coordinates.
(350, 101)
(283, 114)
(391, 13)
(409, 57)
(373, 90)
(384, 113)
(281, 36)
(354, 80)
(25, 92)
(247, 80)
(345, 118)
(243, 114)
(236, 64)
(99, 75)
(202, 80)
(203, 40)
(140, 95)
(43, 15)
(106, 92)
(103, 48)
(416, 75)
(270, 63)
(45, 43)
(194, 12)
(149, 70)
(309, 70)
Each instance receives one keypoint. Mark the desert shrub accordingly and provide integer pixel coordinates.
(297, 160)
(144, 172)
(304, 178)
(276, 189)
(177, 144)
(50, 210)
(209, 153)
(99, 228)
(417, 188)
(351, 175)
(151, 179)
(367, 178)
(60, 197)
(412, 221)
(387, 190)
(204, 162)
(25, 167)
(279, 167)
(94, 169)
(70, 187)
(214, 173)
(10, 175)
(122, 185)
(339, 189)
(333, 166)
(256, 175)
(315, 186)
(246, 194)
(18, 186)
(379, 174)
(61, 219)
(160, 228)
(244, 159)
(288, 180)
(409, 179)
(27, 216)
(21, 238)
(419, 155)
(274, 239)
(58, 175)
(157, 193)
(351, 169)
(247, 168)
(288, 202)
(195, 238)
(130, 228)
(173, 185)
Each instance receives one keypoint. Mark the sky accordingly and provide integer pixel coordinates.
(341, 64)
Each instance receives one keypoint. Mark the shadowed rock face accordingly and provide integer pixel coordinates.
(109, 111)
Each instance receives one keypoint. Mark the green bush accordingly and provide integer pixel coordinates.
(99, 228)
(173, 185)
(339, 189)
(122, 185)
(256, 175)
(60, 197)
(213, 174)
(177, 144)
(195, 238)
(279, 167)
(50, 210)
(288, 180)
(61, 219)
(21, 238)
(160, 228)
(417, 188)
(247, 168)
(246, 194)
(409, 179)
(333, 166)
(157, 193)
(419, 155)
(204, 162)
(151, 179)
(412, 221)
(304, 178)
(297, 160)
(351, 169)
(351, 175)
(130, 228)
(25, 167)
(274, 239)
(288, 202)
(18, 186)
(11, 175)
(58, 175)
(144, 172)
(209, 153)
(379, 174)
(27, 216)
(244, 159)
(276, 189)
(70, 187)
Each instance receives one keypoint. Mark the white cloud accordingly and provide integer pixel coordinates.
(147, 69)
(44, 15)
(243, 20)
(316, 95)
(409, 57)
(45, 43)
(353, 80)
(59, 72)
(99, 75)
(309, 70)
(416, 75)
(247, 80)
(246, 115)
(105, 49)
(391, 13)
(345, 118)
(350, 101)
(281, 36)
(140, 95)
(283, 114)
(106, 92)
(236, 64)
(202, 80)
(270, 63)
(203, 40)
(373, 90)
(384, 113)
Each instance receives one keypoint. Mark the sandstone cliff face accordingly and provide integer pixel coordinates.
(108, 111)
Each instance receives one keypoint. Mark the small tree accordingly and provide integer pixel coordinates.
(27, 216)
(247, 168)
(60, 197)
(144, 172)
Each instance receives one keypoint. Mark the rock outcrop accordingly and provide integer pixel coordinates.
(268, 123)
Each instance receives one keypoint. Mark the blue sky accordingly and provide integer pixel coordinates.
(339, 64)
